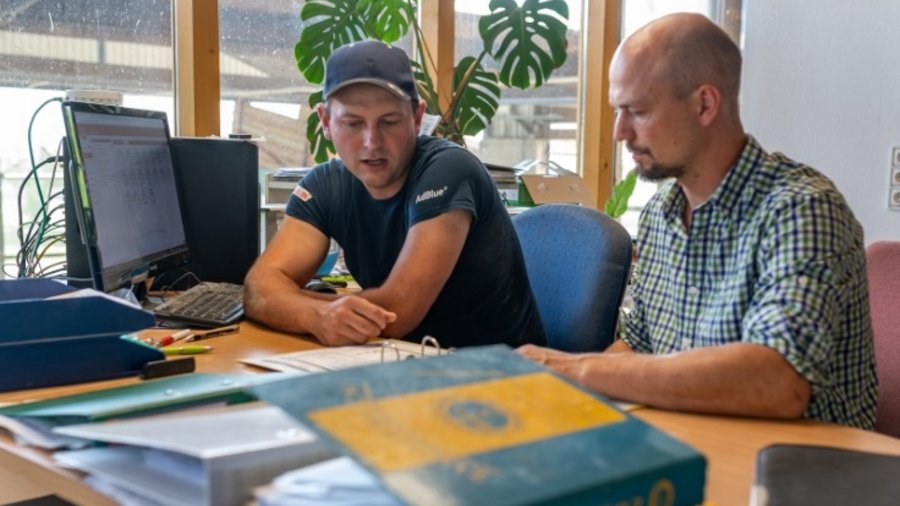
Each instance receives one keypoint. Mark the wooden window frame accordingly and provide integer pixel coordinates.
(197, 79)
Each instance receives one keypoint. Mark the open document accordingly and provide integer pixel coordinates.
(344, 357)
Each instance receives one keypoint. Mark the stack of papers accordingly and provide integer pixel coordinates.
(210, 457)
(31, 423)
(290, 173)
(196, 439)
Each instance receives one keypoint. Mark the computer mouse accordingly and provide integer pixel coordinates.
(317, 285)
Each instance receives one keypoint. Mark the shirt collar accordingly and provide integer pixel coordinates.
(727, 196)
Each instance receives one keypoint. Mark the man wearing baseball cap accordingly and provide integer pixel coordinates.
(420, 221)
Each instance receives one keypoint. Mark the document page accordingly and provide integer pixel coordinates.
(343, 357)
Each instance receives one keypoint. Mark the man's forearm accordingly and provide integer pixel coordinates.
(407, 320)
(276, 300)
(739, 378)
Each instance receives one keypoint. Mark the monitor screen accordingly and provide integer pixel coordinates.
(126, 199)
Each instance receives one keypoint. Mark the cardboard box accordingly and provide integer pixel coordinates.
(560, 187)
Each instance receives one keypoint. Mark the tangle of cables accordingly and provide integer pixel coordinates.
(38, 236)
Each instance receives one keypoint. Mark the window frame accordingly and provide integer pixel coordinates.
(197, 80)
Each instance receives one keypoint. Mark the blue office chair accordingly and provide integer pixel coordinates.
(577, 260)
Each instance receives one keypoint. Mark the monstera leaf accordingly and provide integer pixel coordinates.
(527, 43)
(426, 89)
(520, 33)
(319, 146)
(329, 24)
(388, 20)
(477, 100)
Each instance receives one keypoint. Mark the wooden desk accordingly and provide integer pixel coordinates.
(730, 444)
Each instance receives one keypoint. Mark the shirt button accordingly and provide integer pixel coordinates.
(693, 291)
(803, 280)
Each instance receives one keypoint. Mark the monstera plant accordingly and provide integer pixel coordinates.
(524, 43)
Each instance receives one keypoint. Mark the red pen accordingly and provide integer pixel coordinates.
(171, 338)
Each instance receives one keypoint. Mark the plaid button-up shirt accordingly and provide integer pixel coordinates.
(774, 257)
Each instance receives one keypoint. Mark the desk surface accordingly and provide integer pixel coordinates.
(730, 444)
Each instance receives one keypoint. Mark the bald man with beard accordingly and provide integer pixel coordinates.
(750, 287)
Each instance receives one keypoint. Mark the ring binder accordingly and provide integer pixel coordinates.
(387, 344)
(426, 342)
(433, 342)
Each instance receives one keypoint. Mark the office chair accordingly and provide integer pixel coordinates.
(883, 269)
(577, 259)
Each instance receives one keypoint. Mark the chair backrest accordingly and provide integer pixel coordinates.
(883, 267)
(577, 260)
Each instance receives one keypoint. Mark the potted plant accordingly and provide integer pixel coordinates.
(525, 42)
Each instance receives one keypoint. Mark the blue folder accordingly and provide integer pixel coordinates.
(55, 342)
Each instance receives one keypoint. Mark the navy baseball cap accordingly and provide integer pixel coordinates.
(371, 62)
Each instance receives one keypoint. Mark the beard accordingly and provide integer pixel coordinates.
(657, 172)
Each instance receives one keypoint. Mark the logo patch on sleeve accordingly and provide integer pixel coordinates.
(430, 194)
(302, 193)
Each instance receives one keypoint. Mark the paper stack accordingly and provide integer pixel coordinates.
(214, 456)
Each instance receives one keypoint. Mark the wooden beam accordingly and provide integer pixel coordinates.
(600, 36)
(197, 67)
(436, 17)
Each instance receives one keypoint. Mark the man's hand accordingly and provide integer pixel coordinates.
(350, 320)
(541, 355)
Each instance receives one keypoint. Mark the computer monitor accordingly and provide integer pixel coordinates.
(124, 191)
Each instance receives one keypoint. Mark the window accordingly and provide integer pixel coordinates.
(262, 92)
(47, 47)
(637, 13)
(535, 124)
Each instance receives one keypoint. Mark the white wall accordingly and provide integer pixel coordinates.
(822, 84)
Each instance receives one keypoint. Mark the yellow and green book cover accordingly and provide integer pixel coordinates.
(486, 426)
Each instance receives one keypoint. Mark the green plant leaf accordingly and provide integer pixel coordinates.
(521, 35)
(327, 25)
(426, 89)
(478, 100)
(389, 20)
(319, 146)
(618, 201)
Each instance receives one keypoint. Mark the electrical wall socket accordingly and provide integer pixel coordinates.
(895, 199)
(895, 157)
(895, 176)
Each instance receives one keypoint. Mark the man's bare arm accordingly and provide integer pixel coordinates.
(737, 378)
(429, 255)
(273, 293)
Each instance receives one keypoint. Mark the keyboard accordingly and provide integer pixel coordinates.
(204, 305)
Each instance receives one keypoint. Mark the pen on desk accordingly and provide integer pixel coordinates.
(171, 338)
(228, 329)
(185, 350)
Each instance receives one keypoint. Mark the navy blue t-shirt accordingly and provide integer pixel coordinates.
(487, 298)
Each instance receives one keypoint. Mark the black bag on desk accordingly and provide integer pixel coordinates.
(788, 475)
(59, 341)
